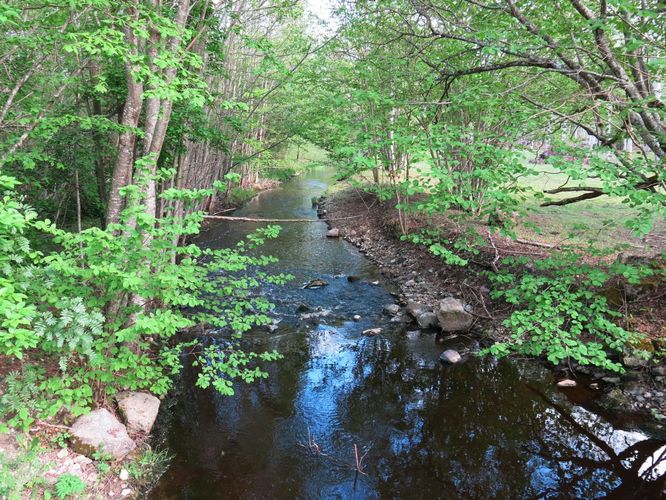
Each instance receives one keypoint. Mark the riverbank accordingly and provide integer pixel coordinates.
(422, 277)
(40, 464)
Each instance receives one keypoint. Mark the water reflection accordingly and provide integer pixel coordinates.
(482, 429)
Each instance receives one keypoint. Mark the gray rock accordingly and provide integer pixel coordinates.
(100, 431)
(423, 315)
(634, 358)
(316, 283)
(659, 370)
(583, 369)
(634, 388)
(427, 320)
(372, 331)
(392, 309)
(453, 317)
(567, 382)
(139, 410)
(450, 357)
(615, 399)
(414, 308)
(356, 317)
(333, 233)
(399, 318)
(72, 466)
(611, 380)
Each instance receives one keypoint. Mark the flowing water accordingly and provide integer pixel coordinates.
(479, 429)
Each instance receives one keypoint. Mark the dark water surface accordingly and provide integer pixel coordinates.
(480, 429)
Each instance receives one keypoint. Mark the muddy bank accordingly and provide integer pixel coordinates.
(422, 277)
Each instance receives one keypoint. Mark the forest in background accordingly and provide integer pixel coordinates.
(124, 123)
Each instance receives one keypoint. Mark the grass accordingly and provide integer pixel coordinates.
(600, 219)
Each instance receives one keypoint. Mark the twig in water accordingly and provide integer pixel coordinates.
(314, 447)
(359, 461)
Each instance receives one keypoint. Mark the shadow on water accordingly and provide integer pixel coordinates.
(480, 429)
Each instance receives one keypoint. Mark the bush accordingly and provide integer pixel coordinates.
(561, 313)
(105, 307)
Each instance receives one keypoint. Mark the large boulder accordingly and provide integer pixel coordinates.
(139, 410)
(453, 317)
(100, 431)
(423, 315)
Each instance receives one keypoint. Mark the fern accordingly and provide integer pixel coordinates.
(69, 485)
(72, 331)
(21, 393)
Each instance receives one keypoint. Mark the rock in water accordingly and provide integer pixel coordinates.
(316, 283)
(333, 233)
(424, 316)
(139, 409)
(567, 382)
(392, 309)
(372, 331)
(100, 431)
(453, 317)
(450, 357)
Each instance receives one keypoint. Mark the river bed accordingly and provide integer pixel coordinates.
(480, 429)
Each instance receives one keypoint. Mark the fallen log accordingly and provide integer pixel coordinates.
(256, 219)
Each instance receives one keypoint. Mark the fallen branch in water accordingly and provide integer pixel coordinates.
(256, 219)
(314, 447)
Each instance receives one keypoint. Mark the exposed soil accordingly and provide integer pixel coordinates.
(422, 277)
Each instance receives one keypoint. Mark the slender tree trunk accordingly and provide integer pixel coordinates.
(100, 159)
(122, 172)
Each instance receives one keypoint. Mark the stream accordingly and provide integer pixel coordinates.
(479, 429)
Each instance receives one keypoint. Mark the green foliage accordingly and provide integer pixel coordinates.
(69, 485)
(61, 439)
(21, 397)
(15, 257)
(239, 195)
(561, 312)
(87, 312)
(71, 332)
(102, 460)
(148, 467)
(21, 473)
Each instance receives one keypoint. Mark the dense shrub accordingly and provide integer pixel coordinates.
(101, 312)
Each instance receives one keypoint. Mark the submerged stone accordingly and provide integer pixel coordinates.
(372, 331)
(450, 357)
